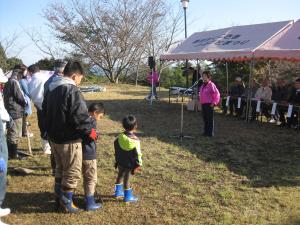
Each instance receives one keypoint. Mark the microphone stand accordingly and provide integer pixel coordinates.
(181, 135)
(151, 97)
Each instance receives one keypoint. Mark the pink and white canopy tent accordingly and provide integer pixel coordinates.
(233, 43)
(284, 46)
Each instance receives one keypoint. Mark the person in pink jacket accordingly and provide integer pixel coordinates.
(209, 97)
(153, 77)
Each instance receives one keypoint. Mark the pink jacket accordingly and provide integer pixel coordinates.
(209, 93)
(155, 78)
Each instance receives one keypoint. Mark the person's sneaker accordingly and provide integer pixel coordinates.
(4, 212)
(47, 151)
(272, 121)
(46, 147)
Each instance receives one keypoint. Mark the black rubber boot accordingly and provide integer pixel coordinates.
(57, 191)
(14, 152)
(10, 150)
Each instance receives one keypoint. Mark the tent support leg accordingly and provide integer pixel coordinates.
(249, 94)
(227, 79)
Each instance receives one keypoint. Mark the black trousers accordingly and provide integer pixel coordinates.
(208, 118)
(293, 120)
(233, 106)
(41, 124)
(224, 107)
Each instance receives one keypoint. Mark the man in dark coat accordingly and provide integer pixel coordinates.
(67, 122)
(294, 99)
(15, 103)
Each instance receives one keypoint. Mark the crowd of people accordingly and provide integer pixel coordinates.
(272, 102)
(68, 128)
(68, 132)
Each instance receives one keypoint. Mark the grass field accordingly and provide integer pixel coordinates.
(248, 174)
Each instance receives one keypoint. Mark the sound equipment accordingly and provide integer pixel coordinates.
(151, 62)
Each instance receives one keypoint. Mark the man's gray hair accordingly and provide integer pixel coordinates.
(59, 65)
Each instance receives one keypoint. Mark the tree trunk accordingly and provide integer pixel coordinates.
(137, 72)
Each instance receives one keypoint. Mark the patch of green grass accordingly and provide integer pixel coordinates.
(248, 174)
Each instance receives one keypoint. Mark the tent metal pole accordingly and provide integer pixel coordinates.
(249, 94)
(197, 88)
(227, 79)
(269, 68)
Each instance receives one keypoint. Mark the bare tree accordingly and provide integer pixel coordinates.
(111, 34)
(44, 43)
(164, 36)
(9, 45)
(160, 40)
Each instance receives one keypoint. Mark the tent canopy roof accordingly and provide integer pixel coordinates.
(285, 45)
(233, 43)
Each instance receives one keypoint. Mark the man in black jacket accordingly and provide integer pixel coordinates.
(67, 121)
(59, 67)
(15, 103)
(280, 95)
(236, 91)
(294, 99)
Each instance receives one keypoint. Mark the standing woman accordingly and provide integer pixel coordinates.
(209, 97)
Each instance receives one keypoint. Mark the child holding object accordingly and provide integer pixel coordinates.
(128, 159)
(89, 162)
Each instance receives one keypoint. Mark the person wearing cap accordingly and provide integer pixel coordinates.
(264, 94)
(3, 151)
(236, 91)
(15, 103)
(209, 97)
(36, 92)
(59, 66)
(67, 122)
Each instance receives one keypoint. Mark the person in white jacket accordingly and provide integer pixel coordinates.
(3, 150)
(36, 92)
(3, 112)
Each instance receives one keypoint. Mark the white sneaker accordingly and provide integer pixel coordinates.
(46, 147)
(4, 212)
(47, 152)
(272, 121)
(2, 223)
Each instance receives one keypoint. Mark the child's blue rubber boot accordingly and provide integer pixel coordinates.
(129, 197)
(66, 200)
(119, 192)
(91, 205)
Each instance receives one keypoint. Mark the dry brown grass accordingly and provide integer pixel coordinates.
(247, 174)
